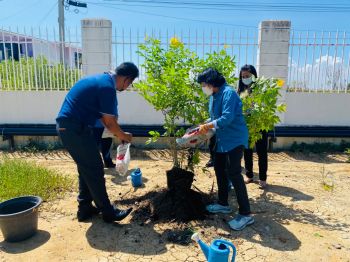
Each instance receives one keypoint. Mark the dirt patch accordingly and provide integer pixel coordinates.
(296, 218)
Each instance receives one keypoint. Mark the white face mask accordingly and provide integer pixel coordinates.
(247, 81)
(207, 90)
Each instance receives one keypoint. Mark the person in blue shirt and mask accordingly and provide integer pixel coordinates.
(90, 99)
(225, 108)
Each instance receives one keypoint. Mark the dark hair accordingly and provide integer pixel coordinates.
(128, 70)
(251, 69)
(212, 77)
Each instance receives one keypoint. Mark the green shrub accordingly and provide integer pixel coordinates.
(347, 151)
(319, 147)
(36, 74)
(260, 107)
(170, 85)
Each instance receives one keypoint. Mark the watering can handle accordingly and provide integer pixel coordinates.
(233, 249)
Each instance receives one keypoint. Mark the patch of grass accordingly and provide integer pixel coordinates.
(347, 151)
(35, 146)
(20, 177)
(319, 147)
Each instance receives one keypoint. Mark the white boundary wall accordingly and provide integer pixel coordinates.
(42, 108)
(317, 109)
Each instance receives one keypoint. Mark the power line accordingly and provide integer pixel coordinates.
(113, 6)
(238, 8)
(48, 13)
(167, 16)
(289, 7)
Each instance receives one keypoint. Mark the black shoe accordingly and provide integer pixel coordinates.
(86, 211)
(210, 163)
(109, 164)
(117, 215)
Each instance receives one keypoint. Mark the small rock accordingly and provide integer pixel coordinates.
(337, 246)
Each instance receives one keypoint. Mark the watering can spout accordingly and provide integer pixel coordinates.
(203, 246)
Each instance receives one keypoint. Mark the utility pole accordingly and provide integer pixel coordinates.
(61, 7)
(61, 28)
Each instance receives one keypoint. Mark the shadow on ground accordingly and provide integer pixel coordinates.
(39, 239)
(134, 238)
(269, 230)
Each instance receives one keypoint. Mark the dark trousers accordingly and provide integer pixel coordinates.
(104, 144)
(261, 149)
(228, 166)
(80, 142)
(212, 144)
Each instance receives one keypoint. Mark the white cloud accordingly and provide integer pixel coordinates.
(326, 72)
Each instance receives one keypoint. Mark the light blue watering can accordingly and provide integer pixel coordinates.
(218, 251)
(136, 178)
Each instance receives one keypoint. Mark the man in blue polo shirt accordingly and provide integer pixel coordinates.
(90, 99)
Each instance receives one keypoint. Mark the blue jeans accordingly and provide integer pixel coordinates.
(80, 142)
(227, 167)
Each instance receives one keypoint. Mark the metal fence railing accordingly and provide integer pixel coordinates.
(242, 44)
(319, 62)
(35, 59)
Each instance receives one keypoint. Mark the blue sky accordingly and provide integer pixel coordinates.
(235, 16)
(44, 12)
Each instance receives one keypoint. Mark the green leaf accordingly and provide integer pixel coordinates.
(171, 88)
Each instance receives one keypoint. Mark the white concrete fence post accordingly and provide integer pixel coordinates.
(273, 53)
(97, 45)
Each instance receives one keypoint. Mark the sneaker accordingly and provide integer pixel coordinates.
(262, 184)
(86, 211)
(240, 222)
(217, 208)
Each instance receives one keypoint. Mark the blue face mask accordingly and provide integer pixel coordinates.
(247, 81)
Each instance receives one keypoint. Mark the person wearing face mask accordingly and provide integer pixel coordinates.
(92, 98)
(225, 108)
(246, 75)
